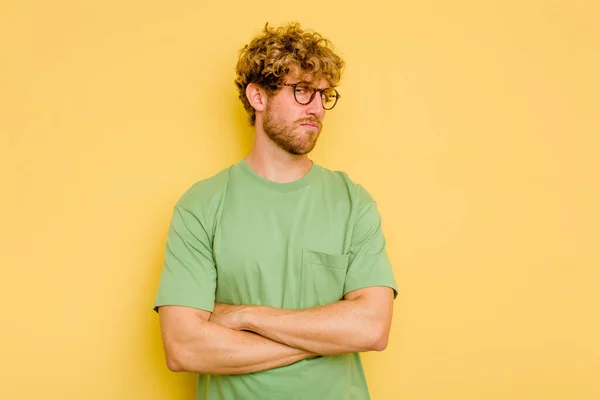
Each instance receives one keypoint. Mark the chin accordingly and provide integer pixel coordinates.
(302, 151)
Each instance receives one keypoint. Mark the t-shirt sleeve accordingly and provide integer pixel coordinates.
(189, 276)
(369, 264)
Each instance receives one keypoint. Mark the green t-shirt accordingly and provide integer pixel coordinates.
(238, 238)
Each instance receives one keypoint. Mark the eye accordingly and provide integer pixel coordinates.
(329, 94)
(301, 89)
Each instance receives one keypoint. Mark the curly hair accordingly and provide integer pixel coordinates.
(276, 52)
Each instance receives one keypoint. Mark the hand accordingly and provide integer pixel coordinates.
(232, 317)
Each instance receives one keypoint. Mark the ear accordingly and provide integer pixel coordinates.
(256, 96)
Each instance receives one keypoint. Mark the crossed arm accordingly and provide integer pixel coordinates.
(245, 339)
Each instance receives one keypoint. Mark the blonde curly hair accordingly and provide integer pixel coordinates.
(277, 52)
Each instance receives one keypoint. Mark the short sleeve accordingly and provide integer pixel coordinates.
(189, 276)
(369, 264)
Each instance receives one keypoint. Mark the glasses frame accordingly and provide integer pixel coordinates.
(312, 96)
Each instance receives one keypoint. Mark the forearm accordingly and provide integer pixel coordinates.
(217, 350)
(347, 326)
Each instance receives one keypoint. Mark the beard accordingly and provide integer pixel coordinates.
(291, 136)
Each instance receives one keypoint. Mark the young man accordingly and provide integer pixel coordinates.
(276, 274)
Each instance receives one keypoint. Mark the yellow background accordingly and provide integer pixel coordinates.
(475, 124)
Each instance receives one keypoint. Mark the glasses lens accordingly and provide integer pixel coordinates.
(330, 97)
(303, 94)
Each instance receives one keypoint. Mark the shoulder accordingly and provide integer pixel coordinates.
(205, 195)
(341, 180)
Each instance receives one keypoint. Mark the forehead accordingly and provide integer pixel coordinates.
(309, 79)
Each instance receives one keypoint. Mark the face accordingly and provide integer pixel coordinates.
(292, 126)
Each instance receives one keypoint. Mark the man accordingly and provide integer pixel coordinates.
(276, 274)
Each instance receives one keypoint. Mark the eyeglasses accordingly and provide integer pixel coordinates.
(304, 94)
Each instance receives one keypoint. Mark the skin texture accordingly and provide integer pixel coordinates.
(192, 343)
(360, 322)
(244, 339)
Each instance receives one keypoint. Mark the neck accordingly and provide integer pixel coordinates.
(275, 164)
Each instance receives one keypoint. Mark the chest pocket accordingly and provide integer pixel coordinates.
(323, 277)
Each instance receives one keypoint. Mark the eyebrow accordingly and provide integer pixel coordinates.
(314, 87)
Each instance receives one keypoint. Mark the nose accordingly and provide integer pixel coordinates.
(315, 107)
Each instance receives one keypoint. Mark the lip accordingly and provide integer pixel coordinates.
(311, 125)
